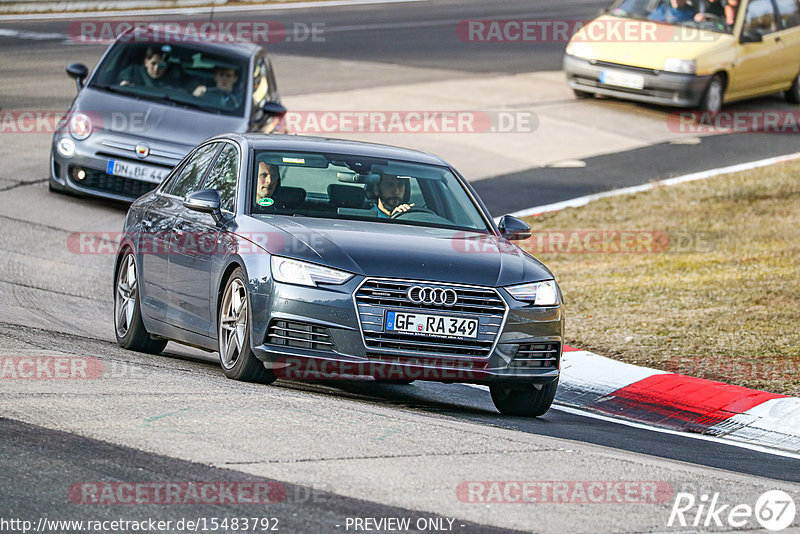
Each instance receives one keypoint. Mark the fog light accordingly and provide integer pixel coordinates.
(77, 173)
(66, 147)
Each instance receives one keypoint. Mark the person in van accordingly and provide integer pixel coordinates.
(676, 11)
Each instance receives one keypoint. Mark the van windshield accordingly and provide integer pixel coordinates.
(713, 15)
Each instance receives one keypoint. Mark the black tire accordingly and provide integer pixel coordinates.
(524, 399)
(233, 332)
(128, 326)
(792, 95)
(582, 94)
(714, 97)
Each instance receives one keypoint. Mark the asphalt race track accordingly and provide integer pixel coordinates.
(340, 451)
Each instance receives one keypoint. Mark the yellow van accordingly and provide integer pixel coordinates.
(688, 53)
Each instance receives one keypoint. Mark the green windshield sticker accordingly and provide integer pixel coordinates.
(266, 202)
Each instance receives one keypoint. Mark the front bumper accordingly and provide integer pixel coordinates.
(93, 154)
(660, 87)
(336, 346)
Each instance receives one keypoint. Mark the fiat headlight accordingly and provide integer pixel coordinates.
(80, 126)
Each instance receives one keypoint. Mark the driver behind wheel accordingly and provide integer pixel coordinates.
(393, 194)
(720, 9)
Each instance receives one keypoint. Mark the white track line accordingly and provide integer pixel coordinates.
(582, 201)
(201, 9)
(642, 426)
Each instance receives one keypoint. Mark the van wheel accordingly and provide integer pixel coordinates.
(582, 94)
(714, 95)
(793, 94)
(523, 399)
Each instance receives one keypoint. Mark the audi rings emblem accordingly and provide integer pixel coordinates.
(433, 296)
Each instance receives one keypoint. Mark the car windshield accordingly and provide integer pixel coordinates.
(712, 15)
(175, 75)
(361, 188)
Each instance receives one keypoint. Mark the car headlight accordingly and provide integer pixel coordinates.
(80, 126)
(66, 147)
(540, 293)
(580, 50)
(682, 66)
(305, 274)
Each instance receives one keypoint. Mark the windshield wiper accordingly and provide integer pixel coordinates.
(115, 89)
(188, 104)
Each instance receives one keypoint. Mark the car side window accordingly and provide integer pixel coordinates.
(760, 17)
(789, 13)
(223, 176)
(189, 179)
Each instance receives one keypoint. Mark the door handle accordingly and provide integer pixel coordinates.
(777, 39)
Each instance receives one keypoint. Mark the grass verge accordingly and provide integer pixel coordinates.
(701, 278)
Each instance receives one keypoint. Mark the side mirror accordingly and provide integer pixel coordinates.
(751, 36)
(274, 109)
(514, 229)
(204, 201)
(79, 71)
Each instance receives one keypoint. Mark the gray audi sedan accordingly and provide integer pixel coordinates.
(314, 259)
(149, 102)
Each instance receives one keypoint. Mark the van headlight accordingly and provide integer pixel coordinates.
(540, 293)
(302, 273)
(682, 66)
(580, 50)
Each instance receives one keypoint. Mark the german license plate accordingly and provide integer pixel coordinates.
(145, 173)
(622, 79)
(431, 325)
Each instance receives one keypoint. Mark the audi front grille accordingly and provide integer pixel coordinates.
(377, 296)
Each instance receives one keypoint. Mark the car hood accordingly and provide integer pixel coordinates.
(399, 251)
(153, 120)
(648, 44)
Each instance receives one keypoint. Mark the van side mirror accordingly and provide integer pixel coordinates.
(79, 71)
(751, 36)
(514, 229)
